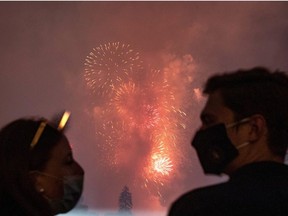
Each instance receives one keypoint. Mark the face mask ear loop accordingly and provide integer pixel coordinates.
(46, 174)
(242, 145)
(231, 125)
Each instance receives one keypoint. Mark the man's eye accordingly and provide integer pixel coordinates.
(206, 121)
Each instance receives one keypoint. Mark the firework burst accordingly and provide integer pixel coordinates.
(110, 64)
(142, 117)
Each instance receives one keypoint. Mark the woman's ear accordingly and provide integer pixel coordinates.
(258, 128)
(36, 178)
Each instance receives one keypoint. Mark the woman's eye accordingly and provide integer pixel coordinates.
(69, 160)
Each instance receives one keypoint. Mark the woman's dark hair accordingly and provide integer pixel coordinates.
(18, 195)
(257, 91)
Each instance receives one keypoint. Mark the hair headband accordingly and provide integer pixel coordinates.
(43, 124)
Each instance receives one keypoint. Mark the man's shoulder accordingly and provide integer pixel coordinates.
(258, 187)
(211, 191)
(198, 200)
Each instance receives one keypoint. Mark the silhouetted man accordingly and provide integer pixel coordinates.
(244, 134)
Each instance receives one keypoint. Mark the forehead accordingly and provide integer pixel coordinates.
(61, 149)
(216, 110)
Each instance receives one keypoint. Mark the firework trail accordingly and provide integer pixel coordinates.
(141, 118)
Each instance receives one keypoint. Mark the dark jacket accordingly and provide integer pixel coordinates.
(258, 189)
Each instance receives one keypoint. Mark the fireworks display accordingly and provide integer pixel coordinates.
(108, 65)
(141, 117)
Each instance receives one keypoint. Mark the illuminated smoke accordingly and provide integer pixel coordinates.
(198, 94)
(142, 118)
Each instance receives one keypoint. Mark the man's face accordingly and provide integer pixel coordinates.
(216, 112)
(60, 164)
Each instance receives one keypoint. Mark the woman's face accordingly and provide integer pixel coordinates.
(60, 164)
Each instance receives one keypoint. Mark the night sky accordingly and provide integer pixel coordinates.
(44, 45)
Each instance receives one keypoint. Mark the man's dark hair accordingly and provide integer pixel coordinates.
(257, 91)
(18, 195)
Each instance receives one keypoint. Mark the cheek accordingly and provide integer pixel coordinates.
(75, 169)
(237, 138)
(54, 189)
(233, 137)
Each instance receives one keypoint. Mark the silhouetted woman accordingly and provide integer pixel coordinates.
(38, 175)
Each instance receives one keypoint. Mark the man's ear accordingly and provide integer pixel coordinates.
(258, 128)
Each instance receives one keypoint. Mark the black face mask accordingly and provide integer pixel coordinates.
(214, 149)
